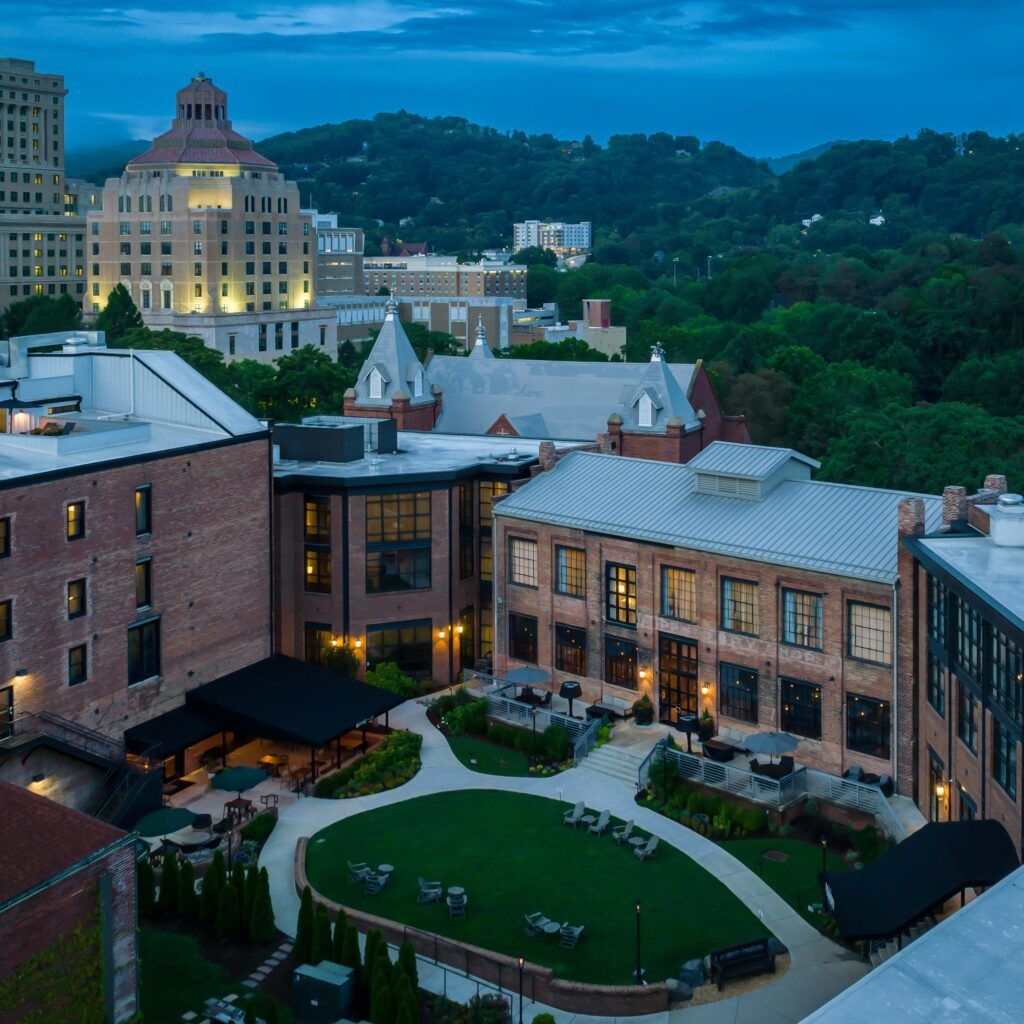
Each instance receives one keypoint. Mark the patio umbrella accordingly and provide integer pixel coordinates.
(238, 778)
(528, 676)
(163, 821)
(571, 690)
(771, 743)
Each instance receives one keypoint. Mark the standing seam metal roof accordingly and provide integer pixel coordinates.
(748, 460)
(826, 527)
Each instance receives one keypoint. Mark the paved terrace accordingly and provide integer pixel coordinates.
(819, 968)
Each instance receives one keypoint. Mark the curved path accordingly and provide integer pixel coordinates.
(818, 968)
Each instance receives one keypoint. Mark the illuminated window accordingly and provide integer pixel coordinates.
(318, 571)
(737, 688)
(143, 583)
(571, 649)
(75, 520)
(143, 510)
(78, 667)
(867, 726)
(801, 619)
(739, 606)
(398, 517)
(77, 605)
(522, 561)
(678, 593)
(318, 520)
(620, 603)
(801, 708)
(522, 637)
(570, 571)
(6, 620)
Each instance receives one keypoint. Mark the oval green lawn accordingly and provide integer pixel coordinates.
(489, 758)
(513, 855)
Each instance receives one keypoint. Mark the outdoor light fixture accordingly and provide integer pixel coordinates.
(521, 962)
(940, 790)
(358, 643)
(21, 673)
(334, 641)
(639, 971)
(440, 634)
(39, 777)
(704, 689)
(459, 629)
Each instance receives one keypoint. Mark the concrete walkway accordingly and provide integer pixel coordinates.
(819, 968)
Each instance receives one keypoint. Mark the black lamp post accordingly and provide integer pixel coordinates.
(521, 962)
(824, 851)
(639, 971)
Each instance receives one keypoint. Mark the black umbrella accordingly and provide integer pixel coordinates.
(570, 690)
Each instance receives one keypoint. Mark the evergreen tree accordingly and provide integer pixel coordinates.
(403, 997)
(338, 942)
(321, 949)
(210, 890)
(167, 902)
(407, 962)
(252, 882)
(186, 889)
(373, 939)
(350, 951)
(304, 928)
(382, 960)
(218, 865)
(228, 914)
(238, 881)
(250, 1013)
(119, 315)
(261, 924)
(382, 1009)
(146, 889)
(406, 1012)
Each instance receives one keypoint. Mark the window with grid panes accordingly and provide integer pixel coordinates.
(936, 684)
(801, 708)
(317, 513)
(678, 593)
(522, 561)
(737, 688)
(967, 634)
(398, 517)
(571, 649)
(570, 571)
(1007, 675)
(1004, 758)
(620, 603)
(937, 610)
(318, 571)
(620, 662)
(967, 717)
(489, 490)
(868, 725)
(801, 619)
(869, 628)
(316, 642)
(408, 645)
(739, 606)
(522, 637)
(404, 569)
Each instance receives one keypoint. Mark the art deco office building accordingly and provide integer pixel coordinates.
(208, 237)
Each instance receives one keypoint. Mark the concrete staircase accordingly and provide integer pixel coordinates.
(892, 947)
(614, 762)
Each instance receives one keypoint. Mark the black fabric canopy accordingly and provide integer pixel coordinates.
(286, 699)
(172, 731)
(926, 869)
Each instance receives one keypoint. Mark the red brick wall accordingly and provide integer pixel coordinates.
(829, 668)
(405, 415)
(210, 547)
(34, 925)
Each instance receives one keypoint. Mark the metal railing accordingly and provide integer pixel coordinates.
(643, 773)
(780, 793)
(585, 744)
(517, 712)
(26, 727)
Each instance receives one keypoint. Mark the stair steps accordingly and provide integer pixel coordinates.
(613, 762)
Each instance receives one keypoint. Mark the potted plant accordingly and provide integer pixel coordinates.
(643, 711)
(706, 726)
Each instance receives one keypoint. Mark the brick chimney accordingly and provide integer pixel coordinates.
(615, 433)
(995, 482)
(604, 444)
(954, 505)
(910, 518)
(547, 455)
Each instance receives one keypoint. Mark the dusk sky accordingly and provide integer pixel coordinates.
(770, 78)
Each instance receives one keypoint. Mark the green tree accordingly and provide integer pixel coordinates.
(40, 314)
(229, 914)
(403, 997)
(382, 1009)
(338, 941)
(388, 676)
(119, 315)
(209, 893)
(146, 888)
(252, 883)
(534, 255)
(261, 923)
(186, 889)
(407, 962)
(343, 659)
(207, 361)
(307, 381)
(568, 349)
(303, 948)
(167, 903)
(321, 948)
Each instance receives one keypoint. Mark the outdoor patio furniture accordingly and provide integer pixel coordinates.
(854, 773)
(647, 851)
(268, 799)
(535, 923)
(357, 872)
(755, 957)
(622, 833)
(570, 935)
(885, 785)
(545, 701)
(430, 892)
(573, 817)
(223, 826)
(376, 882)
(787, 764)
(457, 905)
(598, 827)
(570, 690)
(202, 821)
(716, 750)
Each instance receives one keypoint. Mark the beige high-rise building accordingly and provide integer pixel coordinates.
(41, 240)
(208, 237)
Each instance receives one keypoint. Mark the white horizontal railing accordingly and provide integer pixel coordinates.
(517, 712)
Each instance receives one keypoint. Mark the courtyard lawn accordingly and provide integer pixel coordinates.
(513, 855)
(796, 878)
(490, 758)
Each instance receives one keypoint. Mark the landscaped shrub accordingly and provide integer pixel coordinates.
(167, 902)
(258, 830)
(321, 948)
(870, 843)
(388, 676)
(146, 889)
(210, 889)
(643, 711)
(229, 914)
(186, 889)
(489, 1008)
(407, 962)
(338, 939)
(604, 735)
(556, 742)
(304, 928)
(395, 761)
(261, 923)
(446, 703)
(468, 717)
(544, 1018)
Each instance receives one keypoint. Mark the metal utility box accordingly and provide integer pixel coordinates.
(321, 994)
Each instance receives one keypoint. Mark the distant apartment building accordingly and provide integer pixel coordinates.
(339, 256)
(42, 233)
(969, 649)
(736, 585)
(209, 238)
(561, 238)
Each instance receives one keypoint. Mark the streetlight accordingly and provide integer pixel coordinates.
(639, 971)
(675, 263)
(521, 962)
(824, 850)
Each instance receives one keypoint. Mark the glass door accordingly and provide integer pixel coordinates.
(6, 711)
(677, 677)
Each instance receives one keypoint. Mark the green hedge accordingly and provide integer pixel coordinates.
(725, 818)
(260, 827)
(394, 762)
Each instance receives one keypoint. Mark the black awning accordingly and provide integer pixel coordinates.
(172, 731)
(282, 698)
(926, 869)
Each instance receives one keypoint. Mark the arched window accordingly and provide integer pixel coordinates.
(417, 384)
(376, 384)
(646, 411)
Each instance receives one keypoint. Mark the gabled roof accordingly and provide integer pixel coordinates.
(807, 524)
(668, 398)
(754, 462)
(392, 356)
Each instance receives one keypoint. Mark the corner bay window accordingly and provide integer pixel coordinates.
(620, 662)
(869, 633)
(801, 619)
(317, 571)
(1004, 758)
(739, 606)
(801, 708)
(737, 688)
(143, 651)
(397, 517)
(388, 571)
(522, 637)
(398, 542)
(570, 571)
(522, 561)
(571, 649)
(868, 724)
(620, 602)
(409, 645)
(678, 593)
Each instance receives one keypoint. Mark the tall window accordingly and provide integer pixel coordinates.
(466, 520)
(316, 642)
(5, 536)
(404, 569)
(677, 677)
(486, 559)
(620, 662)
(678, 593)
(408, 645)
(467, 640)
(968, 808)
(75, 520)
(571, 649)
(522, 637)
(936, 685)
(467, 531)
(6, 620)
(867, 725)
(522, 561)
(1004, 758)
(967, 717)
(967, 635)
(78, 665)
(317, 520)
(143, 651)
(737, 688)
(143, 510)
(801, 619)
(398, 517)
(620, 603)
(76, 599)
(937, 610)
(143, 583)
(318, 571)
(739, 606)
(870, 632)
(570, 571)
(1007, 674)
(801, 708)
(489, 490)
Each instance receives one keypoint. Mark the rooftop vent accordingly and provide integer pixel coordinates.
(1006, 521)
(728, 486)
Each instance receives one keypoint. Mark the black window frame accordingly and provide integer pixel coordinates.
(316, 519)
(77, 589)
(935, 685)
(620, 654)
(617, 602)
(315, 578)
(570, 649)
(967, 705)
(795, 620)
(146, 565)
(78, 664)
(800, 707)
(411, 649)
(856, 720)
(1004, 759)
(5, 536)
(522, 637)
(678, 675)
(851, 604)
(143, 510)
(387, 525)
(570, 580)
(311, 632)
(6, 619)
(667, 610)
(74, 522)
(728, 603)
(738, 688)
(522, 560)
(151, 660)
(411, 563)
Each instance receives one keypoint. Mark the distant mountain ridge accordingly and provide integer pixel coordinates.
(781, 164)
(97, 163)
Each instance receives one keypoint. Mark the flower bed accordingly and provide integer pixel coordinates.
(395, 761)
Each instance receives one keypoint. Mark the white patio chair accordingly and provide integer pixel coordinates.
(535, 923)
(601, 824)
(647, 850)
(572, 818)
(622, 833)
(357, 872)
(430, 892)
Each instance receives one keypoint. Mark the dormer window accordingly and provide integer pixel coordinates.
(646, 411)
(376, 384)
(417, 384)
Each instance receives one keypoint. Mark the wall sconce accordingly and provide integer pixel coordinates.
(704, 689)
(441, 634)
(21, 673)
(643, 675)
(357, 643)
(334, 641)
(459, 629)
(940, 790)
(39, 777)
